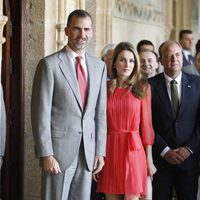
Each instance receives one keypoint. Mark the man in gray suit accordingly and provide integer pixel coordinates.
(70, 136)
(2, 126)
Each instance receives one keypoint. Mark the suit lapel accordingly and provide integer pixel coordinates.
(91, 80)
(185, 93)
(162, 93)
(67, 70)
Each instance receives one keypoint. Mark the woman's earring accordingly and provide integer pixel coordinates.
(114, 67)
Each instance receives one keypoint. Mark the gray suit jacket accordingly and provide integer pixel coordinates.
(190, 69)
(58, 121)
(3, 124)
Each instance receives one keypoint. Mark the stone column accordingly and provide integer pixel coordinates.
(183, 16)
(82, 4)
(103, 24)
(61, 24)
(186, 14)
(35, 22)
(169, 27)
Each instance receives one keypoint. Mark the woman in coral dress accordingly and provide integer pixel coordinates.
(129, 130)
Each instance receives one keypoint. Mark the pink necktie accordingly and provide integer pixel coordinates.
(82, 82)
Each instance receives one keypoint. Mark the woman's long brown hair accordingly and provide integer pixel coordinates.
(135, 82)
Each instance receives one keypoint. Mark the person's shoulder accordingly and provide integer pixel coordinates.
(156, 78)
(190, 69)
(191, 77)
(185, 74)
(54, 55)
(51, 59)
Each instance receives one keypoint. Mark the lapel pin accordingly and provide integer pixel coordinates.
(189, 86)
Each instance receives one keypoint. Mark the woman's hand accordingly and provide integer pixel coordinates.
(151, 169)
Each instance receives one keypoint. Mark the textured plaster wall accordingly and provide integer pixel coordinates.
(136, 20)
(134, 32)
(34, 45)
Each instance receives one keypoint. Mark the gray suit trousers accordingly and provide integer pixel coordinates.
(72, 184)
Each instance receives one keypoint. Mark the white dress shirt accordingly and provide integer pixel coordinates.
(168, 84)
(73, 56)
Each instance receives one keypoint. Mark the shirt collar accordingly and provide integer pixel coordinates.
(73, 54)
(186, 52)
(178, 78)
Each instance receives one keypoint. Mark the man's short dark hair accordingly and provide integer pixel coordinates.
(153, 52)
(77, 13)
(143, 42)
(182, 32)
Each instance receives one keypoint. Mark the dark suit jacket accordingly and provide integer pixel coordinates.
(175, 131)
(186, 62)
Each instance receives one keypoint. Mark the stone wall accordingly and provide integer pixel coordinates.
(34, 49)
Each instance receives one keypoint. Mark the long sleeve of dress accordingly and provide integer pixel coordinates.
(147, 132)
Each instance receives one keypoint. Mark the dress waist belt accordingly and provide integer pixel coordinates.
(134, 140)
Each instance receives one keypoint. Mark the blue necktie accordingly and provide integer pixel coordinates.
(190, 58)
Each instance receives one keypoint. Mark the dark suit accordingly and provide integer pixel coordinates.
(187, 62)
(174, 132)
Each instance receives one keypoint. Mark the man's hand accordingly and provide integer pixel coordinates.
(173, 157)
(98, 166)
(183, 152)
(1, 161)
(50, 165)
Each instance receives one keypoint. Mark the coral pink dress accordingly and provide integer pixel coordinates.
(129, 130)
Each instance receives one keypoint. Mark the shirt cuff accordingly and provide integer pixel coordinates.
(164, 151)
(188, 148)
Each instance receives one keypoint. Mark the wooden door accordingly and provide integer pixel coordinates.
(12, 81)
